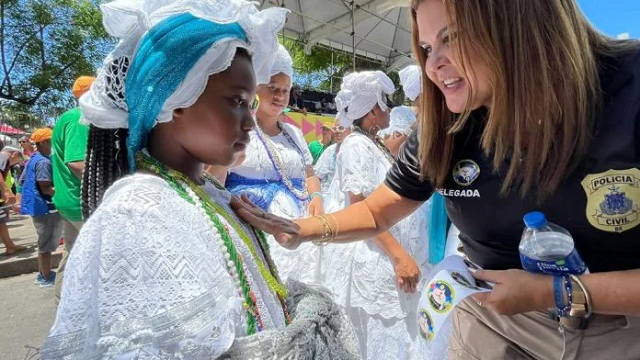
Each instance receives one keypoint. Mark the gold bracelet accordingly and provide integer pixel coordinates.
(327, 232)
(337, 226)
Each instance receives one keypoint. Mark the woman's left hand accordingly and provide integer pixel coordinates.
(316, 207)
(515, 291)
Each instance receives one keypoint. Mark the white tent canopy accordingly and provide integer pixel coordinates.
(377, 29)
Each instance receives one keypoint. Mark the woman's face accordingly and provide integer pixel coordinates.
(382, 117)
(442, 68)
(274, 96)
(215, 129)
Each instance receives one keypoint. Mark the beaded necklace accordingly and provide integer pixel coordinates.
(379, 144)
(195, 195)
(277, 163)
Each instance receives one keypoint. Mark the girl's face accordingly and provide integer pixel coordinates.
(442, 68)
(274, 96)
(215, 129)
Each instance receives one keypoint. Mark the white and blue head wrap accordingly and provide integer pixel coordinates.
(167, 51)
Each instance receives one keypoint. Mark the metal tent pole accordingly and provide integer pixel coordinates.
(331, 91)
(353, 32)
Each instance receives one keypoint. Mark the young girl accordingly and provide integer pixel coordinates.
(163, 268)
(277, 173)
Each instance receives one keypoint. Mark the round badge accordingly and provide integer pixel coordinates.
(466, 172)
(425, 325)
(441, 296)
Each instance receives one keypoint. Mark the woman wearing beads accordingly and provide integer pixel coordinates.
(277, 174)
(375, 280)
(163, 268)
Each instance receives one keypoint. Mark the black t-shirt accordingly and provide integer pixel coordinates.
(599, 203)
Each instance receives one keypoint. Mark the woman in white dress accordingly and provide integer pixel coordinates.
(325, 169)
(374, 280)
(164, 269)
(277, 174)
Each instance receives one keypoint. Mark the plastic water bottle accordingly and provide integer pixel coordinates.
(548, 248)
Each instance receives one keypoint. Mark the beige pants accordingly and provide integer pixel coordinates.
(479, 333)
(71, 230)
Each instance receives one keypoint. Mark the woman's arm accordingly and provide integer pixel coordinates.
(316, 205)
(516, 291)
(365, 219)
(404, 265)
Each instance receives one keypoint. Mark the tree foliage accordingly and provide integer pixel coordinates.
(44, 46)
(323, 63)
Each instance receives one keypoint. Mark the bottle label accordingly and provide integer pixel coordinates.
(571, 264)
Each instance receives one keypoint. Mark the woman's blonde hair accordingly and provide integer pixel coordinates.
(542, 58)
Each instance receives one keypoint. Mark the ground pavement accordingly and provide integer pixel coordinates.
(23, 233)
(27, 313)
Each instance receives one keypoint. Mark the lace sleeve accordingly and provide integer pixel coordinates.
(325, 166)
(143, 282)
(357, 166)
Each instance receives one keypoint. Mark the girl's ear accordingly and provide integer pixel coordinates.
(178, 114)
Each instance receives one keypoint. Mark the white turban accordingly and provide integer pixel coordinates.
(411, 81)
(282, 64)
(359, 94)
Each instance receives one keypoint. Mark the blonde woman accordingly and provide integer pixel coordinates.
(540, 111)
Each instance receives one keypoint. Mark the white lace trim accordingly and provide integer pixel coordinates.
(129, 20)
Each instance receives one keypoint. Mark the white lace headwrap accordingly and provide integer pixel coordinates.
(282, 64)
(129, 20)
(360, 92)
(411, 80)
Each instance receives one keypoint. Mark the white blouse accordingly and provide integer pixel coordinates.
(147, 278)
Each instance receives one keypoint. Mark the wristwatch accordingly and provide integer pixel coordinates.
(580, 312)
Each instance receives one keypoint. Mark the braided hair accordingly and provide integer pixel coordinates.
(105, 162)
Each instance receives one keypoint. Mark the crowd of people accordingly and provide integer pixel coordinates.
(198, 224)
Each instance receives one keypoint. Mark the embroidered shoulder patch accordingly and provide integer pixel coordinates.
(613, 199)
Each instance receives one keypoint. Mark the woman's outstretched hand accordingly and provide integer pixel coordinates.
(286, 232)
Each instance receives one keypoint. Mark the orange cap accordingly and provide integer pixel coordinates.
(41, 135)
(82, 85)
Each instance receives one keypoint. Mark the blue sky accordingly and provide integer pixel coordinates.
(614, 16)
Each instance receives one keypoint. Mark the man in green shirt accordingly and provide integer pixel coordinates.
(317, 147)
(69, 145)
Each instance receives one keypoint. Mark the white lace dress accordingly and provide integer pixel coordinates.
(147, 279)
(325, 168)
(360, 275)
(300, 264)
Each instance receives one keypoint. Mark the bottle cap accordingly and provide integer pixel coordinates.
(535, 220)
